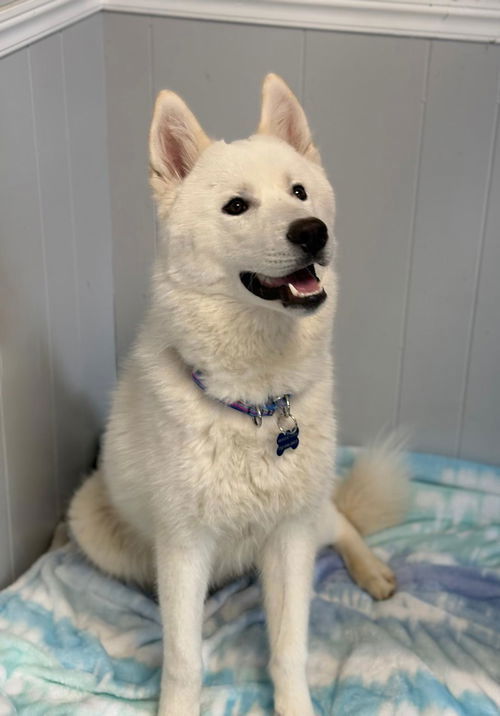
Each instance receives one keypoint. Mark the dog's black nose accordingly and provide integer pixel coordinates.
(310, 234)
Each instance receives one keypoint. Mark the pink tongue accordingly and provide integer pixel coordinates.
(302, 280)
(304, 283)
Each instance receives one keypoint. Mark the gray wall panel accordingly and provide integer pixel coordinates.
(364, 99)
(129, 102)
(457, 145)
(58, 228)
(218, 69)
(481, 425)
(86, 110)
(56, 301)
(6, 556)
(26, 379)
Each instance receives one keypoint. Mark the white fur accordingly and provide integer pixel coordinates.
(189, 490)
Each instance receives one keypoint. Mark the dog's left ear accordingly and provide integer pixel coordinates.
(282, 115)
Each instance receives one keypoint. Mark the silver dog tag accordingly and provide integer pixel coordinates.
(288, 436)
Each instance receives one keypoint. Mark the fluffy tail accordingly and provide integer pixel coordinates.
(105, 538)
(375, 494)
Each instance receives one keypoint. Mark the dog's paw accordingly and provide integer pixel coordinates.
(376, 578)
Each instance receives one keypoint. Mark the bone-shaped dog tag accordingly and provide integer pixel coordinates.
(287, 439)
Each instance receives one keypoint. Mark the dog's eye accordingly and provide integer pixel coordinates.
(235, 206)
(299, 192)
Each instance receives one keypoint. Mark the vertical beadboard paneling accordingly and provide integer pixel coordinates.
(454, 169)
(86, 114)
(6, 560)
(129, 101)
(56, 203)
(364, 99)
(481, 425)
(218, 69)
(27, 409)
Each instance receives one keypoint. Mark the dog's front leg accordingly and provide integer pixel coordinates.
(183, 574)
(287, 565)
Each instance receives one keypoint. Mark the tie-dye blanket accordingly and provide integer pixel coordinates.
(75, 642)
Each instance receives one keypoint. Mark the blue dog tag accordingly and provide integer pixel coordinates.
(287, 439)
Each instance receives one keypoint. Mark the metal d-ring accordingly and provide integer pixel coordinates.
(286, 417)
(258, 418)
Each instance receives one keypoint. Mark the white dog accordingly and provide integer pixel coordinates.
(191, 492)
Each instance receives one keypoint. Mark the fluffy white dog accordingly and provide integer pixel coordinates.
(219, 454)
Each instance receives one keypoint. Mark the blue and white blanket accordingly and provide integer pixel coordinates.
(73, 641)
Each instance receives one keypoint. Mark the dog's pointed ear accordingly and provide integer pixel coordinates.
(282, 115)
(176, 140)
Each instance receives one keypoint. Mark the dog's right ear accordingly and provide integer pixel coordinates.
(176, 140)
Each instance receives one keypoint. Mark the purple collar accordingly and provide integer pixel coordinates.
(257, 412)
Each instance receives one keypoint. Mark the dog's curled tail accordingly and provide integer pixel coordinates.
(104, 538)
(375, 494)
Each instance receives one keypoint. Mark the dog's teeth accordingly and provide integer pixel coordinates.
(299, 294)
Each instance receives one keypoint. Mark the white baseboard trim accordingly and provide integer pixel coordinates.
(26, 21)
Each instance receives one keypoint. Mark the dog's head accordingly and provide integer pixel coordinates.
(251, 220)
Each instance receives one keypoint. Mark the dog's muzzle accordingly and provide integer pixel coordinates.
(301, 288)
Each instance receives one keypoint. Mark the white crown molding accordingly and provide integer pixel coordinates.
(25, 21)
(476, 20)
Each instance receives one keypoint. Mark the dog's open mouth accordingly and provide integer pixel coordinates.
(301, 288)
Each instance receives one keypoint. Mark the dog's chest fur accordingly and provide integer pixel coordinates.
(245, 483)
(207, 464)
